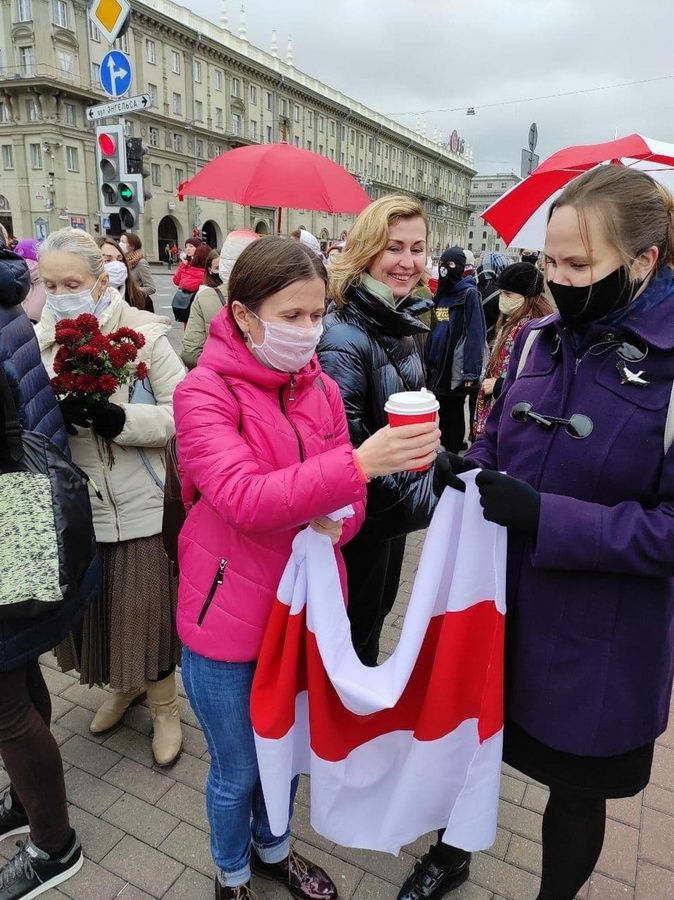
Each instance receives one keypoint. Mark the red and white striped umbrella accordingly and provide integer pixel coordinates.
(521, 214)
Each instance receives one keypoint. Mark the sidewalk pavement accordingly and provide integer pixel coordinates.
(145, 834)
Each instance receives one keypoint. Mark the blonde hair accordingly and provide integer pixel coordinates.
(636, 212)
(79, 243)
(367, 238)
(3, 234)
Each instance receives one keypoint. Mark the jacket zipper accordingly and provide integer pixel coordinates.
(282, 404)
(108, 487)
(217, 581)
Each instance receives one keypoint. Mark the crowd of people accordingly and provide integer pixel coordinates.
(554, 376)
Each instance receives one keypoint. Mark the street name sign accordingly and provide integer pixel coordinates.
(115, 73)
(109, 16)
(119, 107)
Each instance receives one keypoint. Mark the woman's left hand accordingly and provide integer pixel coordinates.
(488, 386)
(509, 501)
(324, 525)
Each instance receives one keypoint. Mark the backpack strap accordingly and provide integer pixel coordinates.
(669, 423)
(222, 300)
(320, 384)
(526, 350)
(491, 296)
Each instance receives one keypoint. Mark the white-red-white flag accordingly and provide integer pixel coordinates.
(411, 745)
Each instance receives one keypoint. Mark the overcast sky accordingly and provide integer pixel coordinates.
(410, 55)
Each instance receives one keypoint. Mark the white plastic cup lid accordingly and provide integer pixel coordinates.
(412, 403)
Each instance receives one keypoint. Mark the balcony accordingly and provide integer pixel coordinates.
(31, 75)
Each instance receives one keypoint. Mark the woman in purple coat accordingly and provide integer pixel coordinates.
(584, 429)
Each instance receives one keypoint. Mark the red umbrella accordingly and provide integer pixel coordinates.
(521, 214)
(278, 175)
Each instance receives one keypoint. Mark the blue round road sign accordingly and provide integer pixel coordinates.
(115, 73)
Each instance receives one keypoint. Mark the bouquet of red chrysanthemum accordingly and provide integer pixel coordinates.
(90, 365)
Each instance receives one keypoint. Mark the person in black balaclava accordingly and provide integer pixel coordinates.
(455, 350)
(529, 256)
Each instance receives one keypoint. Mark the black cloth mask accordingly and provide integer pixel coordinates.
(216, 277)
(582, 305)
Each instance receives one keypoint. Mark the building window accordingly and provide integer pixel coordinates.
(70, 114)
(177, 104)
(65, 61)
(122, 43)
(270, 134)
(7, 156)
(60, 9)
(196, 67)
(155, 173)
(4, 115)
(150, 52)
(504, 184)
(199, 148)
(310, 119)
(218, 79)
(309, 147)
(177, 142)
(321, 124)
(352, 136)
(180, 177)
(219, 119)
(154, 137)
(253, 94)
(298, 113)
(284, 107)
(236, 87)
(489, 184)
(320, 149)
(297, 140)
(72, 160)
(470, 235)
(96, 74)
(175, 62)
(484, 235)
(26, 59)
(253, 130)
(362, 143)
(24, 12)
(270, 101)
(332, 128)
(236, 124)
(152, 91)
(31, 110)
(370, 145)
(36, 156)
(484, 246)
(198, 111)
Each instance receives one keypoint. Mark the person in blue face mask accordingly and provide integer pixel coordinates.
(127, 638)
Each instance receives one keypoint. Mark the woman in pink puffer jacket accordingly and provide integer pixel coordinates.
(264, 450)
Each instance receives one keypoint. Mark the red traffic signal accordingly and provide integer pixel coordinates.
(107, 143)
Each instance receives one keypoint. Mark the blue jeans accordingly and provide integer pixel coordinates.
(219, 693)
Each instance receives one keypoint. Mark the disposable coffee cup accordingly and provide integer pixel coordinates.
(411, 407)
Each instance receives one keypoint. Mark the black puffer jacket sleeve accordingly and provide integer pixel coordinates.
(396, 504)
(14, 277)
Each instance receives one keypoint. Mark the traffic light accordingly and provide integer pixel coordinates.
(135, 165)
(110, 163)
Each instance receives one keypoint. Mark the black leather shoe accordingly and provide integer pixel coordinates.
(242, 892)
(430, 880)
(304, 879)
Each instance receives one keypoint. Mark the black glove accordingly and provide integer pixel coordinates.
(74, 411)
(447, 467)
(107, 419)
(509, 501)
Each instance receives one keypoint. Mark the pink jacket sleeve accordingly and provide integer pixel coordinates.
(220, 464)
(352, 525)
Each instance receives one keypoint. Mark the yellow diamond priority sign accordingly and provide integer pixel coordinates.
(109, 16)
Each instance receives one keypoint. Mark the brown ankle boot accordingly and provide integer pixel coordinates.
(167, 740)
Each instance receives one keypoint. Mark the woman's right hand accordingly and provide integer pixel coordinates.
(399, 449)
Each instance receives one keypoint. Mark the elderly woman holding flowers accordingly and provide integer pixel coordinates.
(115, 374)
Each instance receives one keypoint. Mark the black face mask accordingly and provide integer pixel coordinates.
(448, 277)
(582, 305)
(530, 258)
(216, 277)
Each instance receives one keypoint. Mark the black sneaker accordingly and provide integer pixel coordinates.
(32, 872)
(431, 880)
(11, 820)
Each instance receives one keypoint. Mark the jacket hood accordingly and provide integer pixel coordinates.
(225, 353)
(377, 316)
(456, 295)
(14, 277)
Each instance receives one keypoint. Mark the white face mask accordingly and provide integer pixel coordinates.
(124, 246)
(70, 306)
(117, 272)
(510, 305)
(287, 348)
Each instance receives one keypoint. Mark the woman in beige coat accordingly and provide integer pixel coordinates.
(127, 638)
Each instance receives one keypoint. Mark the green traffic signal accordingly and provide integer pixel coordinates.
(126, 193)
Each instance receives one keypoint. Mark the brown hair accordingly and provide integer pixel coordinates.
(200, 256)
(270, 265)
(367, 238)
(536, 307)
(133, 240)
(636, 211)
(134, 295)
(209, 281)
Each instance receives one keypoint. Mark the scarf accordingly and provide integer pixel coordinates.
(133, 257)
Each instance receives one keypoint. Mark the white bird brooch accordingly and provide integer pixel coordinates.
(629, 377)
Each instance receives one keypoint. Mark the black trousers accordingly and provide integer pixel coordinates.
(31, 756)
(373, 567)
(454, 434)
